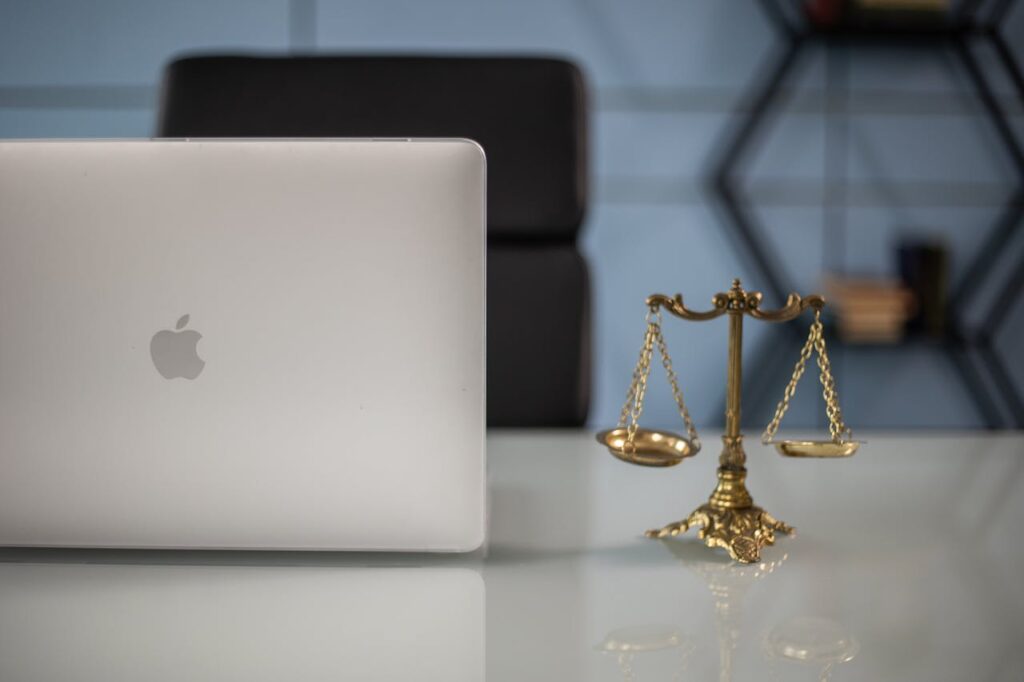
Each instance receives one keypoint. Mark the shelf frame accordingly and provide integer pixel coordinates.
(968, 350)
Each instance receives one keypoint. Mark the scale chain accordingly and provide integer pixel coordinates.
(787, 395)
(634, 405)
(627, 407)
(836, 426)
(815, 342)
(677, 393)
(641, 391)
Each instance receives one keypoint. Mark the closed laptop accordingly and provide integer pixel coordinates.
(271, 344)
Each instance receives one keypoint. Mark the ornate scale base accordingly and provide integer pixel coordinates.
(730, 520)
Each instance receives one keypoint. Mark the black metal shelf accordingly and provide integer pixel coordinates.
(763, 100)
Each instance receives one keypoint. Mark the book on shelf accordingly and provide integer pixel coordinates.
(869, 310)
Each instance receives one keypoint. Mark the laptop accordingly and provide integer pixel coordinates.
(272, 344)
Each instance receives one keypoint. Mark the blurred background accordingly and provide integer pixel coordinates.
(876, 158)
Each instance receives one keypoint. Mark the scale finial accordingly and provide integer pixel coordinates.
(736, 283)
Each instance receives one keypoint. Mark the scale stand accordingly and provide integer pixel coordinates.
(729, 519)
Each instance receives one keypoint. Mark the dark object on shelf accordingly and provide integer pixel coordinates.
(877, 14)
(965, 25)
(924, 270)
(527, 113)
(915, 15)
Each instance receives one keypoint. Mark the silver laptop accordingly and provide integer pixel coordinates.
(271, 344)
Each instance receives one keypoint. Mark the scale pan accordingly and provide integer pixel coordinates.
(817, 448)
(651, 448)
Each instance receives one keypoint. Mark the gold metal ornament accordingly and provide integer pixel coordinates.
(648, 447)
(729, 519)
(841, 444)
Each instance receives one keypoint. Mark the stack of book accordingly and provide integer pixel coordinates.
(869, 310)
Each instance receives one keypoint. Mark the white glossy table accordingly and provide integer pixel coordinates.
(905, 566)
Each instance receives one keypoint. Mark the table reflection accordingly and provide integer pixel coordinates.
(73, 622)
(810, 641)
(802, 640)
(627, 643)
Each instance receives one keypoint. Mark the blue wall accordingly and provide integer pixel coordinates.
(665, 77)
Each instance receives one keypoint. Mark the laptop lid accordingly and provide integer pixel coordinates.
(242, 344)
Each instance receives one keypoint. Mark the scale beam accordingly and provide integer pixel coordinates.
(738, 300)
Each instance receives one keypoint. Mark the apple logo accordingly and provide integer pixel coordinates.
(174, 352)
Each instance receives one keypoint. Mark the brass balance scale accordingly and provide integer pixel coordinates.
(729, 519)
